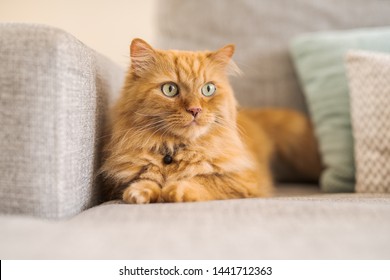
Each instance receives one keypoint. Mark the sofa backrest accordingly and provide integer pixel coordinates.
(262, 31)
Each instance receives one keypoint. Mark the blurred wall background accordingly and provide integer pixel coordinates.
(107, 26)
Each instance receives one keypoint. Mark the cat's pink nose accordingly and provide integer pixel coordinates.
(194, 111)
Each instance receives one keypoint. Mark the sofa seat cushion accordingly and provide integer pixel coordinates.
(317, 226)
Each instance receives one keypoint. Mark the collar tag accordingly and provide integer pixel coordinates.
(167, 159)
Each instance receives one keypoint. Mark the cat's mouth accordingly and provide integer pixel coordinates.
(198, 122)
(192, 123)
(192, 127)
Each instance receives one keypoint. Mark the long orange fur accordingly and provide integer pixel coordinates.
(220, 153)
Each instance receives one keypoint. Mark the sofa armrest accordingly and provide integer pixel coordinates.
(53, 102)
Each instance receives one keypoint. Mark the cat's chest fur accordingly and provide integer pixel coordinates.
(176, 163)
(190, 160)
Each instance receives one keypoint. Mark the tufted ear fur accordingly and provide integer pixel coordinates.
(225, 53)
(142, 55)
(223, 57)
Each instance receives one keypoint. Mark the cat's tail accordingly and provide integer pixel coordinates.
(294, 145)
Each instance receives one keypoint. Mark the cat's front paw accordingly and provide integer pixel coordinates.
(142, 192)
(184, 191)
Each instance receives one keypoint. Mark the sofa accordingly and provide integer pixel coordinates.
(54, 98)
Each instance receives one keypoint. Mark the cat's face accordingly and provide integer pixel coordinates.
(185, 94)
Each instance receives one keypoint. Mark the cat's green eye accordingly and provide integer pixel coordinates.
(170, 89)
(208, 89)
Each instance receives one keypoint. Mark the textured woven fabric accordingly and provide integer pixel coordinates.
(261, 30)
(333, 226)
(369, 83)
(52, 103)
(319, 59)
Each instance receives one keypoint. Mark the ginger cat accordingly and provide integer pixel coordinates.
(177, 134)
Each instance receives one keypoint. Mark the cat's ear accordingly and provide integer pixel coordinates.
(142, 55)
(223, 57)
(224, 54)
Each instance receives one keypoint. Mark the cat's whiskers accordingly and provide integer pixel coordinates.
(235, 129)
(139, 131)
(136, 126)
(110, 134)
(148, 115)
(165, 126)
(162, 139)
(222, 122)
(149, 124)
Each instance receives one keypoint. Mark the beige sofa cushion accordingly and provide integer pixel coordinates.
(369, 82)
